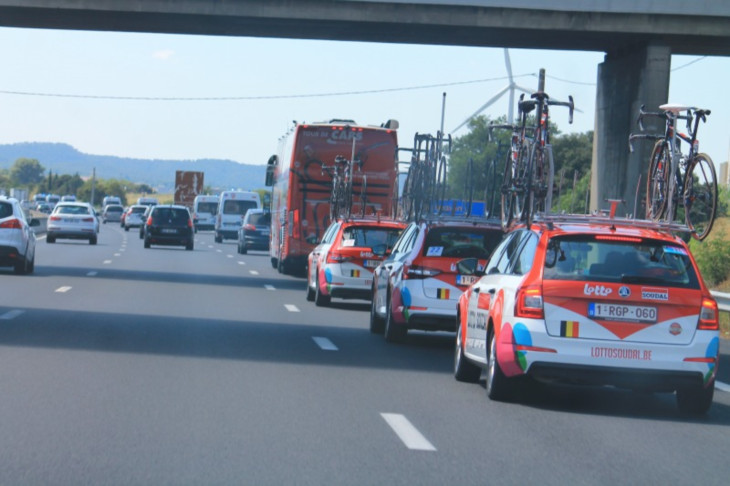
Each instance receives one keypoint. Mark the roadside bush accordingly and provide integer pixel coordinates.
(713, 258)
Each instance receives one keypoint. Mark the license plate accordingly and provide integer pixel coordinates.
(620, 312)
(371, 263)
(169, 231)
(466, 279)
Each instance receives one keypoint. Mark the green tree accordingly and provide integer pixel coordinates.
(26, 172)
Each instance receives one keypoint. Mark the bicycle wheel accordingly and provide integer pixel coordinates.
(334, 199)
(538, 178)
(508, 199)
(364, 195)
(490, 186)
(700, 196)
(657, 182)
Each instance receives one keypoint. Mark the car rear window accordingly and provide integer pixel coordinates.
(6, 210)
(139, 210)
(259, 219)
(636, 260)
(368, 237)
(238, 207)
(461, 242)
(72, 210)
(114, 209)
(170, 215)
(207, 207)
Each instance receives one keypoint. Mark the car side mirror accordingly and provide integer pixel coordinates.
(380, 250)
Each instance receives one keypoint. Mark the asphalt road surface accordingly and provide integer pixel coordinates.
(120, 365)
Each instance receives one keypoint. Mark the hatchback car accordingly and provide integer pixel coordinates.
(112, 212)
(254, 231)
(17, 239)
(169, 225)
(73, 221)
(591, 303)
(133, 218)
(418, 285)
(342, 264)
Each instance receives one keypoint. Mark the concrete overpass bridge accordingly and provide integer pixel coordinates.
(638, 37)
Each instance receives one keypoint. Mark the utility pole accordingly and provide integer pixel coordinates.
(93, 185)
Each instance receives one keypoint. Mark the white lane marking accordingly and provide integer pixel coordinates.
(325, 344)
(722, 386)
(253, 272)
(219, 251)
(117, 254)
(241, 263)
(210, 246)
(229, 256)
(405, 430)
(92, 274)
(107, 262)
(291, 308)
(63, 289)
(269, 287)
(11, 314)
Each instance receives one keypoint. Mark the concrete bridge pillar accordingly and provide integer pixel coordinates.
(626, 80)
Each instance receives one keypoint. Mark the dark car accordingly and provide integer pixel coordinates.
(169, 225)
(145, 217)
(254, 231)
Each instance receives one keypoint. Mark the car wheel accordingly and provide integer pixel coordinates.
(320, 299)
(218, 239)
(310, 290)
(92, 240)
(394, 333)
(377, 323)
(21, 266)
(146, 243)
(31, 265)
(50, 239)
(463, 369)
(189, 246)
(498, 386)
(695, 400)
(281, 266)
(126, 228)
(274, 263)
(244, 251)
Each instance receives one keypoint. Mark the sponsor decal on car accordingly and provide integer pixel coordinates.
(675, 329)
(624, 291)
(355, 273)
(443, 293)
(569, 329)
(648, 293)
(597, 290)
(620, 353)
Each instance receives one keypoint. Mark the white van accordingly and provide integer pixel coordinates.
(232, 207)
(148, 201)
(204, 210)
(110, 200)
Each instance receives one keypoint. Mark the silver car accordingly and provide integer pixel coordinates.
(73, 220)
(134, 217)
(17, 239)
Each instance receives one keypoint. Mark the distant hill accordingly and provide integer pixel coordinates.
(160, 174)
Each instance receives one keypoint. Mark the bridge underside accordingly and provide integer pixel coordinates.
(636, 69)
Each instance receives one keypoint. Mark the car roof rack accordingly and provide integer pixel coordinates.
(608, 217)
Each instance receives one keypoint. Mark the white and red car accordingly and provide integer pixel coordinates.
(342, 264)
(591, 302)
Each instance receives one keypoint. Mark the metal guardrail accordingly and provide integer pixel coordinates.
(723, 300)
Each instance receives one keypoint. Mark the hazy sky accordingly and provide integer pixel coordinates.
(110, 93)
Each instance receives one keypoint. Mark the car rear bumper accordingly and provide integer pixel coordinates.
(71, 234)
(9, 255)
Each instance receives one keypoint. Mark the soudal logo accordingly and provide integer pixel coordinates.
(655, 294)
(599, 290)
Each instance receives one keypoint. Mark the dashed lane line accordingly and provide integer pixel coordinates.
(241, 263)
(269, 287)
(62, 290)
(253, 272)
(107, 262)
(407, 433)
(325, 344)
(11, 314)
(291, 308)
(92, 274)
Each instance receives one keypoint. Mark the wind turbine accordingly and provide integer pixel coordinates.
(511, 87)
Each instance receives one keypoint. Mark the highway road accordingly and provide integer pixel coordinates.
(120, 365)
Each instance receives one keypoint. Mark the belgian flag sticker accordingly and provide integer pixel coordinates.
(354, 273)
(443, 294)
(569, 329)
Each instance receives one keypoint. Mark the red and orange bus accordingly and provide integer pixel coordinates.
(301, 189)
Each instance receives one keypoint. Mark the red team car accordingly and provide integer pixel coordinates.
(586, 301)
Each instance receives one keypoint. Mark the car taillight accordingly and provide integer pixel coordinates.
(55, 218)
(529, 302)
(88, 220)
(11, 224)
(149, 221)
(190, 223)
(335, 257)
(249, 227)
(416, 272)
(708, 316)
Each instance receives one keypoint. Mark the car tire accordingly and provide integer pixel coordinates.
(50, 239)
(274, 263)
(218, 239)
(146, 243)
(21, 266)
(394, 333)
(498, 385)
(463, 369)
(189, 246)
(377, 323)
(310, 290)
(92, 240)
(281, 266)
(320, 299)
(695, 400)
(31, 265)
(126, 228)
(243, 250)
